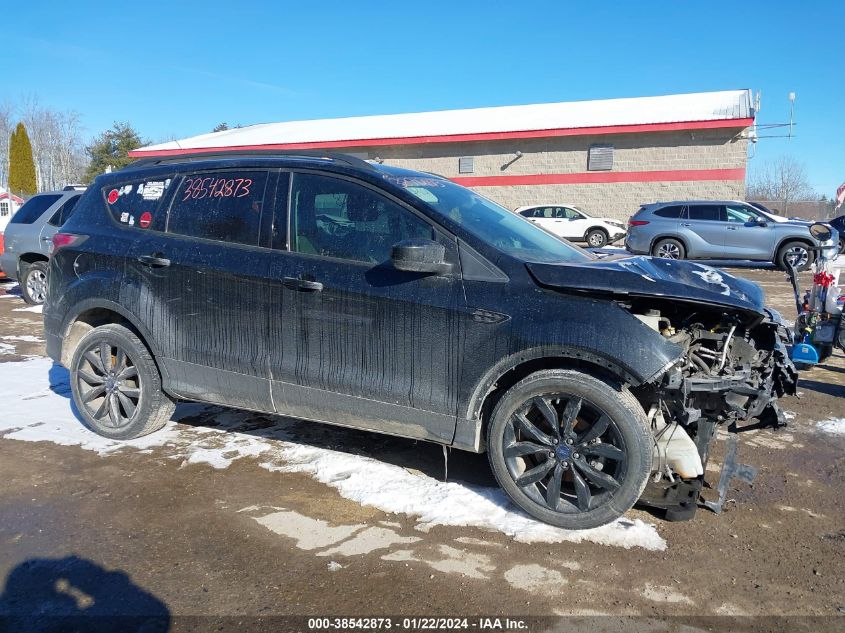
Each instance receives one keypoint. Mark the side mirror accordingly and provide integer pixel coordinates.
(762, 222)
(822, 232)
(420, 256)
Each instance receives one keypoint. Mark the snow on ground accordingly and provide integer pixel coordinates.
(36, 407)
(23, 339)
(834, 425)
(39, 309)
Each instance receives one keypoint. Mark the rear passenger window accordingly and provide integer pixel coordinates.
(137, 203)
(704, 212)
(222, 206)
(65, 211)
(669, 212)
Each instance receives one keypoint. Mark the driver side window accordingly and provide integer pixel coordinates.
(338, 218)
(740, 214)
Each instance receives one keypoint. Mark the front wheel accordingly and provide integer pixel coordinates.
(570, 449)
(116, 385)
(596, 238)
(795, 254)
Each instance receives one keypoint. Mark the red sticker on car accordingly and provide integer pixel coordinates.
(145, 220)
(113, 196)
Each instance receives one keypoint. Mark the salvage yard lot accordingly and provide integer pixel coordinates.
(231, 513)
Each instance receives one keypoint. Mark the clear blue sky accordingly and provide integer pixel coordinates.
(175, 69)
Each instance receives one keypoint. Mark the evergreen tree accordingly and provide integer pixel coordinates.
(111, 148)
(22, 180)
(221, 127)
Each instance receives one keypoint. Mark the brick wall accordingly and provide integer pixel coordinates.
(660, 151)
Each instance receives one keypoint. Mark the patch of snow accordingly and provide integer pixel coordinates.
(836, 426)
(334, 566)
(36, 407)
(39, 309)
(6, 349)
(712, 277)
(23, 339)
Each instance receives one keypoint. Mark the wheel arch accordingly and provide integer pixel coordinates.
(596, 228)
(93, 313)
(472, 425)
(668, 236)
(783, 242)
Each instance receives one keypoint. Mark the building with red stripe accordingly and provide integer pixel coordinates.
(606, 156)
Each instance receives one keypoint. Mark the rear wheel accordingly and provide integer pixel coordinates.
(669, 248)
(570, 449)
(596, 238)
(795, 254)
(34, 283)
(116, 385)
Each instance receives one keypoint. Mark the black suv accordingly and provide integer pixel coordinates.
(331, 289)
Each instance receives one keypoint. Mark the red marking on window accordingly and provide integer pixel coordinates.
(113, 196)
(145, 220)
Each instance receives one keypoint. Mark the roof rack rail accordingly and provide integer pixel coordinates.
(352, 161)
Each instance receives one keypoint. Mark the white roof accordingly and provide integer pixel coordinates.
(702, 106)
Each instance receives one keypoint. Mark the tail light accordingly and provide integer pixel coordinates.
(637, 222)
(2, 244)
(60, 240)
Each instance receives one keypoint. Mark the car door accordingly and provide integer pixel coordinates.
(200, 283)
(748, 235)
(55, 222)
(703, 227)
(576, 223)
(354, 341)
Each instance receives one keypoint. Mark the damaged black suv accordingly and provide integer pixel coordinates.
(331, 289)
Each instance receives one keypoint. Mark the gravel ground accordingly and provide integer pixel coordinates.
(207, 523)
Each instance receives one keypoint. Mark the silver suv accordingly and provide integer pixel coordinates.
(28, 238)
(718, 229)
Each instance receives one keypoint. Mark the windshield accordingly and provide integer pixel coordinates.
(489, 221)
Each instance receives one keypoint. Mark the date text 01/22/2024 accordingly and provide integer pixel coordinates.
(418, 624)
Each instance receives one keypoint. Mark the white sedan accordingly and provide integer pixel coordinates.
(574, 224)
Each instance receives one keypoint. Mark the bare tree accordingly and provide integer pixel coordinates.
(6, 127)
(783, 180)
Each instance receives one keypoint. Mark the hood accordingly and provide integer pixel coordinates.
(654, 277)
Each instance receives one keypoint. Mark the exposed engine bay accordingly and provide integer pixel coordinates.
(734, 368)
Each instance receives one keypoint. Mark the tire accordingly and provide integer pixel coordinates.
(842, 246)
(791, 250)
(669, 248)
(625, 457)
(34, 283)
(141, 406)
(596, 238)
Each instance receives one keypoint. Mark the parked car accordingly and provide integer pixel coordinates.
(331, 289)
(28, 239)
(574, 224)
(717, 229)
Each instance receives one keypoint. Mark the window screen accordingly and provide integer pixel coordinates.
(33, 209)
(338, 218)
(222, 206)
(465, 165)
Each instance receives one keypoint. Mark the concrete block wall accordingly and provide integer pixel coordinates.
(647, 152)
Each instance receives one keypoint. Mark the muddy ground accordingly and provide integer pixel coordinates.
(138, 531)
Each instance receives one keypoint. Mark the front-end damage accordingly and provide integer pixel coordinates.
(734, 368)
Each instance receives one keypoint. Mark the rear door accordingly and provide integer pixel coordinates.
(201, 285)
(704, 228)
(354, 341)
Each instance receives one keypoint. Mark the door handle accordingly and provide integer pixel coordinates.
(732, 228)
(685, 224)
(296, 283)
(46, 239)
(153, 261)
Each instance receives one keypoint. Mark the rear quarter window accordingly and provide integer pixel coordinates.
(138, 203)
(670, 212)
(33, 209)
